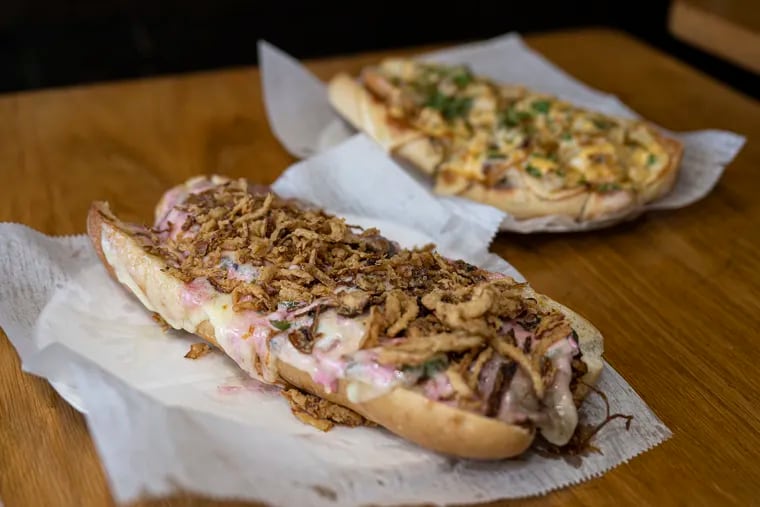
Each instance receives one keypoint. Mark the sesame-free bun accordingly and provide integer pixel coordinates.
(430, 424)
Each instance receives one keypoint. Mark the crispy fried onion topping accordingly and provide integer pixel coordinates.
(319, 412)
(198, 350)
(297, 254)
(471, 326)
(446, 320)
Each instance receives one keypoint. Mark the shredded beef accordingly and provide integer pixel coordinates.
(417, 304)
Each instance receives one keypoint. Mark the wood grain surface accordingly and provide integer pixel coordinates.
(677, 294)
(729, 29)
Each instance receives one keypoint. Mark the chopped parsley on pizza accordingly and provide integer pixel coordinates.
(527, 153)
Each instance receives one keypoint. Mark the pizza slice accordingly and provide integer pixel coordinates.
(525, 152)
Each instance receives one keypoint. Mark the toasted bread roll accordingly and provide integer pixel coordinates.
(269, 346)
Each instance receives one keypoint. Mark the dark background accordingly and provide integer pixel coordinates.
(45, 43)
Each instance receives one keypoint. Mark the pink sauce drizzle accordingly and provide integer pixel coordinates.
(328, 371)
(175, 219)
(175, 196)
(197, 293)
(379, 374)
(438, 387)
(330, 367)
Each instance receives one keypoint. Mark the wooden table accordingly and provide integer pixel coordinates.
(677, 294)
(729, 29)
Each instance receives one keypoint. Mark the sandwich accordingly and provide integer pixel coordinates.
(456, 359)
(522, 151)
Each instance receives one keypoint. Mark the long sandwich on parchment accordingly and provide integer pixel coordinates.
(454, 358)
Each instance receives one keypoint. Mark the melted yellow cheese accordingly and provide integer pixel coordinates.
(544, 165)
(483, 121)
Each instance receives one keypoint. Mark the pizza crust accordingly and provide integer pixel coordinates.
(522, 203)
(603, 206)
(423, 153)
(667, 178)
(367, 113)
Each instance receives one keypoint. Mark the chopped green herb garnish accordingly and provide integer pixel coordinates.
(608, 187)
(601, 124)
(560, 172)
(512, 117)
(533, 171)
(567, 136)
(437, 100)
(651, 159)
(541, 106)
(463, 78)
(282, 325)
(547, 156)
(458, 108)
(509, 118)
(495, 154)
(433, 366)
(450, 107)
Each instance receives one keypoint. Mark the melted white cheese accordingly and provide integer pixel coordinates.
(249, 337)
(560, 415)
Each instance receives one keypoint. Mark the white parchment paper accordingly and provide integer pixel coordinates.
(304, 122)
(162, 423)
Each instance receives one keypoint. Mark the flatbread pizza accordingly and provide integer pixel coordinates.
(527, 153)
